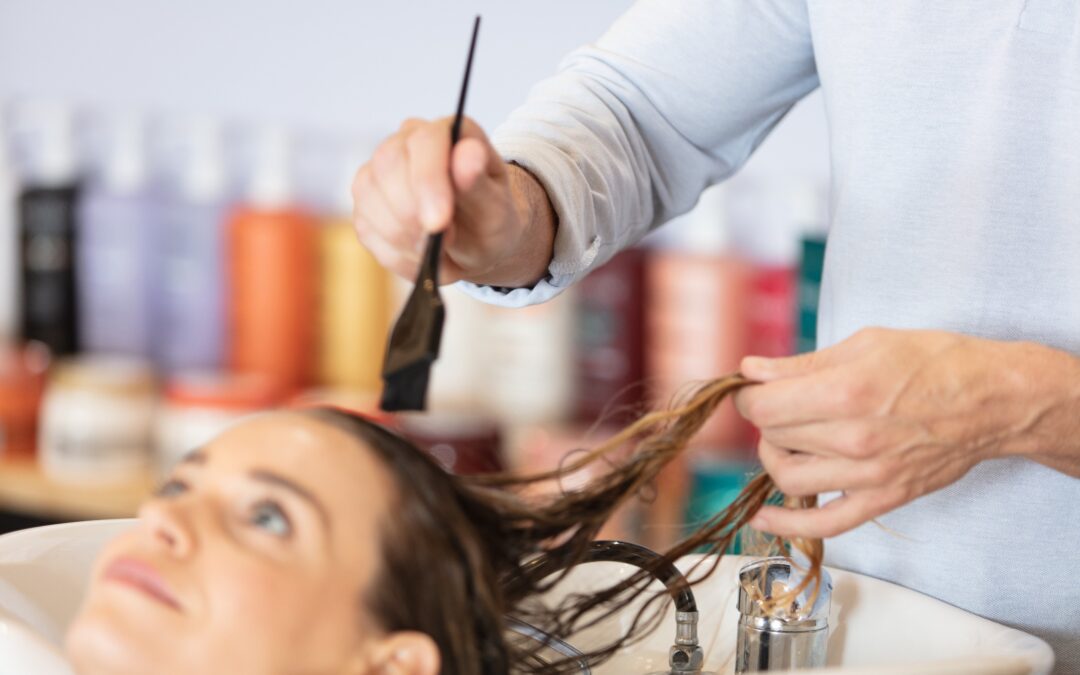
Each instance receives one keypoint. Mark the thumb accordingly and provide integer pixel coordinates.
(468, 162)
(765, 369)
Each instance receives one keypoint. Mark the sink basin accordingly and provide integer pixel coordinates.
(877, 627)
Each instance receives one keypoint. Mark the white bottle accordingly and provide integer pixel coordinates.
(529, 361)
(9, 245)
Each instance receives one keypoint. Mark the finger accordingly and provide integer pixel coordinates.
(798, 474)
(835, 517)
(821, 397)
(391, 171)
(410, 125)
(766, 370)
(470, 159)
(854, 439)
(371, 207)
(388, 255)
(429, 169)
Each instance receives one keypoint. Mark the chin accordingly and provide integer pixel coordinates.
(102, 642)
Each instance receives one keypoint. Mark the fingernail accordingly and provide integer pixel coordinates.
(431, 212)
(758, 522)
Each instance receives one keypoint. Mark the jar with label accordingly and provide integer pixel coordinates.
(197, 406)
(22, 379)
(97, 419)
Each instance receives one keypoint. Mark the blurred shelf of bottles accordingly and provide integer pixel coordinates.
(159, 280)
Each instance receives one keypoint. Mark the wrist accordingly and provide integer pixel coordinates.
(532, 237)
(1047, 394)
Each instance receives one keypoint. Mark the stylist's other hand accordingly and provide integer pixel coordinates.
(415, 184)
(885, 417)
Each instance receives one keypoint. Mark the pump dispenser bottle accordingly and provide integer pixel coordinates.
(271, 255)
(47, 238)
(354, 307)
(192, 253)
(9, 245)
(116, 261)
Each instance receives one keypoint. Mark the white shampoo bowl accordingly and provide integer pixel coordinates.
(876, 627)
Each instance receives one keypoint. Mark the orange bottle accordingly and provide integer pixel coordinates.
(271, 249)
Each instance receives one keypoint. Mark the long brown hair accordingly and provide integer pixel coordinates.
(455, 548)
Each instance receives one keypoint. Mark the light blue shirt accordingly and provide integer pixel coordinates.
(955, 142)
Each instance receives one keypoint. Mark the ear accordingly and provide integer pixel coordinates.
(406, 653)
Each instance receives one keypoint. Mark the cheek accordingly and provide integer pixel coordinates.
(292, 619)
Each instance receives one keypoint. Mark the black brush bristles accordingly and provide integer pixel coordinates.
(414, 342)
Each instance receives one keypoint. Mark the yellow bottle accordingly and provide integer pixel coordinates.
(354, 313)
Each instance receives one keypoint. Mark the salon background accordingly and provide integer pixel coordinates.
(176, 250)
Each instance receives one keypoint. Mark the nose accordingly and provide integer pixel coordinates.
(169, 525)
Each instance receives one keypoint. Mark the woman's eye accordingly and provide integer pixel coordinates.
(171, 488)
(269, 516)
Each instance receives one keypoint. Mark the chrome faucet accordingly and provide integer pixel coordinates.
(685, 655)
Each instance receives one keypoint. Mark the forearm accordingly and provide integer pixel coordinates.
(1048, 431)
(537, 223)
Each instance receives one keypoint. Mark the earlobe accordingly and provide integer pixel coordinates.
(407, 653)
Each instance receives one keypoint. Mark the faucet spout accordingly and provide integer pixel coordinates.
(686, 655)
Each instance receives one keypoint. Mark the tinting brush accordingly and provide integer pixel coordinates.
(414, 342)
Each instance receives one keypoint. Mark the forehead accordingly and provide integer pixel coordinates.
(337, 467)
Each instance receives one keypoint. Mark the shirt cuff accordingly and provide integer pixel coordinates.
(578, 247)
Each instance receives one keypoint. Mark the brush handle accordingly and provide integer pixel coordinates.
(455, 131)
(429, 266)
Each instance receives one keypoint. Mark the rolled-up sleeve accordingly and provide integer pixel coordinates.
(673, 98)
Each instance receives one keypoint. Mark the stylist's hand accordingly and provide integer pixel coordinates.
(885, 416)
(414, 185)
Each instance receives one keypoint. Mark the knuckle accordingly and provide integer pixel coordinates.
(851, 396)
(387, 155)
(766, 456)
(862, 441)
(361, 183)
(787, 482)
(879, 472)
(396, 239)
(753, 407)
(410, 124)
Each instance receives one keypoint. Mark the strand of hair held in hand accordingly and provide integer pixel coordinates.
(562, 526)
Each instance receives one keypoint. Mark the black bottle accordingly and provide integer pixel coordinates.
(47, 252)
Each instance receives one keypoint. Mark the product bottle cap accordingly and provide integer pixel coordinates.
(203, 178)
(125, 165)
(271, 180)
(53, 124)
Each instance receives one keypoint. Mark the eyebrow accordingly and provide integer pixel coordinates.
(198, 457)
(303, 493)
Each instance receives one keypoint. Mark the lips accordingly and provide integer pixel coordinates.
(142, 577)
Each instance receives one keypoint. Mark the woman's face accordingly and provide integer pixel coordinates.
(252, 558)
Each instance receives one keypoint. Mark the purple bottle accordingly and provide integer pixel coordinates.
(191, 316)
(116, 268)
